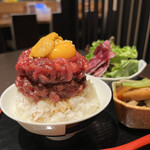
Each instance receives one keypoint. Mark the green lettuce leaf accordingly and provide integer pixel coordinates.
(124, 69)
(126, 52)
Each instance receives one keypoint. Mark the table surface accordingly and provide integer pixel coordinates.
(105, 131)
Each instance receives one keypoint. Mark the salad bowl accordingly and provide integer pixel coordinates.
(141, 67)
(110, 62)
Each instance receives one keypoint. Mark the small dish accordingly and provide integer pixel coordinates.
(56, 131)
(141, 67)
(130, 114)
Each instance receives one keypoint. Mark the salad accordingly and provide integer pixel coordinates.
(121, 62)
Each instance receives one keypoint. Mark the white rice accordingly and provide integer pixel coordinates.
(45, 111)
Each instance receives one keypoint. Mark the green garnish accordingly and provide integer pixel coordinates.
(138, 84)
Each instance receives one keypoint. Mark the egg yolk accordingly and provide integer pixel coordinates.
(53, 46)
(54, 36)
(64, 49)
(42, 48)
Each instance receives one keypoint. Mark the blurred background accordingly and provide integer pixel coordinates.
(22, 23)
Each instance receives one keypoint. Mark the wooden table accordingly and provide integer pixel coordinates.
(104, 131)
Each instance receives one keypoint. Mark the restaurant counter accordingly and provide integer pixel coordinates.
(105, 131)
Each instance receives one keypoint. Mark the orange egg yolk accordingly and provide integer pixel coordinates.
(53, 46)
(42, 48)
(64, 49)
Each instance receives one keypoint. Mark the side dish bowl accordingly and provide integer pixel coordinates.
(141, 67)
(63, 129)
(130, 114)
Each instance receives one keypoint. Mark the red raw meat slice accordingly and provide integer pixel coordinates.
(101, 62)
(102, 55)
(104, 45)
(96, 60)
(101, 69)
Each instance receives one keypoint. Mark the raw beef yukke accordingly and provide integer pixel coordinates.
(47, 71)
(51, 83)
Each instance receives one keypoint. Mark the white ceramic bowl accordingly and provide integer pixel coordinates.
(141, 67)
(61, 130)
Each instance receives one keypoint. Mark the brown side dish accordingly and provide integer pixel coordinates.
(132, 105)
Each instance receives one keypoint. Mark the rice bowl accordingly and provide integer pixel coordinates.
(45, 111)
(8, 106)
(52, 92)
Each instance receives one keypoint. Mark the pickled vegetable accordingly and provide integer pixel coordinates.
(138, 84)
